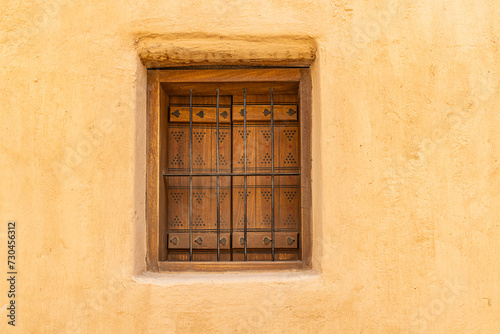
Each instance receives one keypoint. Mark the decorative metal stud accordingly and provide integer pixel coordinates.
(266, 241)
(223, 241)
(267, 112)
(290, 240)
(176, 113)
(199, 240)
(242, 241)
(291, 112)
(174, 240)
(201, 114)
(224, 114)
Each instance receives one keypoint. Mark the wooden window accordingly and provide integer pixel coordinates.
(228, 171)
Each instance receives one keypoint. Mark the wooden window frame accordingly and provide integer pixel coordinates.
(154, 152)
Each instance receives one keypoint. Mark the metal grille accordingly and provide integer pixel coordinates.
(198, 161)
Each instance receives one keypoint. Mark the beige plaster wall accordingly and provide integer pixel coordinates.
(406, 169)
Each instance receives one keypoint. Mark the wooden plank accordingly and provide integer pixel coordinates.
(177, 190)
(306, 165)
(262, 240)
(287, 158)
(201, 101)
(230, 75)
(263, 212)
(178, 152)
(180, 114)
(287, 202)
(230, 88)
(163, 145)
(152, 172)
(201, 240)
(238, 148)
(238, 202)
(229, 266)
(225, 149)
(262, 112)
(266, 98)
(202, 148)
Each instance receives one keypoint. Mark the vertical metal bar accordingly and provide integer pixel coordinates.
(231, 185)
(218, 182)
(272, 175)
(190, 175)
(245, 169)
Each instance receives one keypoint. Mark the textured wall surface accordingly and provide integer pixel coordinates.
(406, 177)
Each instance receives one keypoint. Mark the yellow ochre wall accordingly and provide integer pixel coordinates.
(406, 176)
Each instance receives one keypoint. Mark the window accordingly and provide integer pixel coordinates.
(228, 169)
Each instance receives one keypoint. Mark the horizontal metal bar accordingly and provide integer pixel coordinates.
(231, 174)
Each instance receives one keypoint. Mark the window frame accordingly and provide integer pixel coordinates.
(154, 152)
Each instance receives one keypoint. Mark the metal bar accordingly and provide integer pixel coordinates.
(272, 176)
(230, 174)
(218, 181)
(190, 175)
(231, 180)
(245, 169)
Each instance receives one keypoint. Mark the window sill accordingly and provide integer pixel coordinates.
(190, 278)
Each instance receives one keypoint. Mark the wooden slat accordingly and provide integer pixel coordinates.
(178, 152)
(229, 75)
(263, 112)
(306, 165)
(239, 148)
(201, 240)
(163, 147)
(201, 101)
(287, 158)
(152, 172)
(200, 114)
(230, 88)
(227, 266)
(266, 98)
(238, 202)
(287, 199)
(263, 240)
